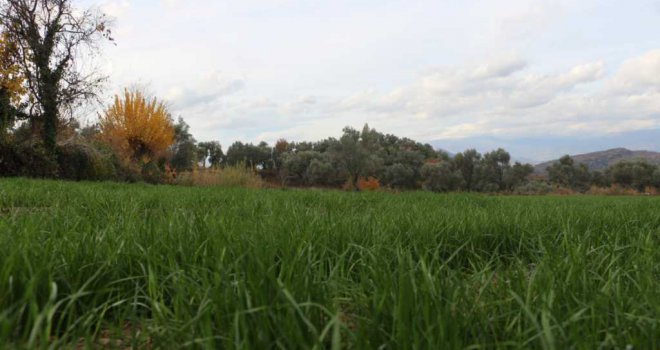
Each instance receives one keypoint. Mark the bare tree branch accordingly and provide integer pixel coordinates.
(51, 37)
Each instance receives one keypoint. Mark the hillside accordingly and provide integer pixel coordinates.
(543, 148)
(602, 159)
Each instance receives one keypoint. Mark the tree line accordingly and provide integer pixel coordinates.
(637, 174)
(397, 163)
(404, 164)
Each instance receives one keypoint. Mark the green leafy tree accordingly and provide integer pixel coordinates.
(282, 146)
(253, 156)
(202, 155)
(400, 176)
(402, 160)
(302, 146)
(636, 174)
(517, 175)
(210, 153)
(296, 165)
(441, 177)
(492, 169)
(324, 171)
(353, 152)
(656, 178)
(184, 150)
(600, 179)
(467, 163)
(216, 156)
(568, 174)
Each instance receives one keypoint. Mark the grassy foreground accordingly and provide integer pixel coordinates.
(86, 265)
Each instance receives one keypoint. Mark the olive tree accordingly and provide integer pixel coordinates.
(441, 177)
(568, 174)
(355, 151)
(467, 163)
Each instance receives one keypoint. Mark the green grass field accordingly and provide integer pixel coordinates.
(92, 264)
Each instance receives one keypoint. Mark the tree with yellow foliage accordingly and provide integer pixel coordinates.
(138, 128)
(12, 87)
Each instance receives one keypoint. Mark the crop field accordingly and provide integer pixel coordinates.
(105, 265)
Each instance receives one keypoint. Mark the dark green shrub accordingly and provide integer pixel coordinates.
(28, 159)
(534, 187)
(81, 161)
(151, 173)
(441, 177)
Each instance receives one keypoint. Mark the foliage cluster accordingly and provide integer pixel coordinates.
(636, 175)
(138, 129)
(397, 163)
(368, 184)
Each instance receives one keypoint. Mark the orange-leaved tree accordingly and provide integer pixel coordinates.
(138, 127)
(12, 87)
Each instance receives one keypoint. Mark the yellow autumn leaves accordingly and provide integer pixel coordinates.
(137, 127)
(11, 79)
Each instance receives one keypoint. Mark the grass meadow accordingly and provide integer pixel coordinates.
(108, 265)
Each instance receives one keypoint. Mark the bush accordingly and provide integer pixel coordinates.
(487, 187)
(636, 174)
(81, 161)
(320, 172)
(28, 159)
(153, 174)
(400, 176)
(534, 187)
(563, 191)
(652, 191)
(614, 190)
(369, 184)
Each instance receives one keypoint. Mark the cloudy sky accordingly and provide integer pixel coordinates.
(540, 77)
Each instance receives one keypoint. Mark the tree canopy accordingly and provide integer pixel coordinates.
(138, 127)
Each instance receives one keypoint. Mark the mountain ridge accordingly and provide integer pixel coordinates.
(600, 160)
(538, 149)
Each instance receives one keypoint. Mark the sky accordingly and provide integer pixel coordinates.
(542, 77)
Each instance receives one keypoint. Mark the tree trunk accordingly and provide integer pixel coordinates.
(356, 179)
(6, 118)
(50, 117)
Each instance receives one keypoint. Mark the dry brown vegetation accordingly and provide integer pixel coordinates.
(236, 176)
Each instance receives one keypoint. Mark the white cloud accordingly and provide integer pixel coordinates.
(499, 68)
(206, 91)
(481, 90)
(485, 99)
(115, 8)
(170, 3)
(638, 75)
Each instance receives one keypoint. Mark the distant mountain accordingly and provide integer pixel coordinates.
(601, 160)
(538, 149)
